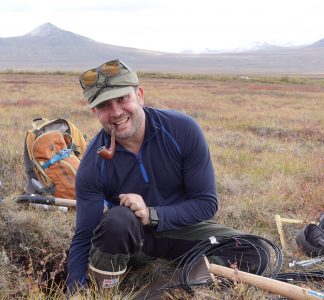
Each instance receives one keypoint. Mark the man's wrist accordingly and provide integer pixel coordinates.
(153, 217)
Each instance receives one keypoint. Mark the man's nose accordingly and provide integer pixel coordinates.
(115, 108)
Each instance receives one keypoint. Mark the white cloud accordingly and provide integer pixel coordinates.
(172, 25)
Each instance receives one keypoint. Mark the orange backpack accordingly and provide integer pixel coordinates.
(52, 154)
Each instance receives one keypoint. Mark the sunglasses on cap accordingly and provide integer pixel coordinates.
(108, 69)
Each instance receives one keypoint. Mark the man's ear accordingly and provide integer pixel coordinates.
(140, 95)
(93, 109)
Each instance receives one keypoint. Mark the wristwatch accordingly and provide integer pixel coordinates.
(154, 218)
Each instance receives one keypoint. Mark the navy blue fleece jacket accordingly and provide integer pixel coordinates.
(173, 172)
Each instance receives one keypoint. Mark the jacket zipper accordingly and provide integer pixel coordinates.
(141, 166)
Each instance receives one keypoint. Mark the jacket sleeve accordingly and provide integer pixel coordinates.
(89, 210)
(199, 202)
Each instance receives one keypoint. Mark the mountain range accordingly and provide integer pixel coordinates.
(49, 48)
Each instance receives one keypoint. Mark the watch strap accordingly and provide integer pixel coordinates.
(153, 215)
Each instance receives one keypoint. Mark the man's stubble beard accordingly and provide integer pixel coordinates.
(137, 121)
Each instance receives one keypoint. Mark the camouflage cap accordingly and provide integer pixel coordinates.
(107, 88)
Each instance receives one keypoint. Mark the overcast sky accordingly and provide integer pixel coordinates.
(172, 25)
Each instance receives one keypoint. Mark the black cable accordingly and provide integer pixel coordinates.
(192, 259)
(179, 259)
(205, 248)
(301, 276)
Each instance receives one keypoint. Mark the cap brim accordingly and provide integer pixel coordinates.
(111, 94)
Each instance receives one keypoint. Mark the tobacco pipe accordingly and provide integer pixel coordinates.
(108, 153)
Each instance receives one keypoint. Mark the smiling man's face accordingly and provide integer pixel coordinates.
(125, 114)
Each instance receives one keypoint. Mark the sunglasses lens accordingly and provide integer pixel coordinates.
(89, 77)
(108, 69)
(111, 69)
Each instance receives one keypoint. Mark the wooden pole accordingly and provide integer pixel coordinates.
(271, 285)
(65, 202)
(281, 233)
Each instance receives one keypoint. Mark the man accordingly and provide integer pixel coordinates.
(159, 186)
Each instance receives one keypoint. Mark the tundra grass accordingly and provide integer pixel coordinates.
(266, 139)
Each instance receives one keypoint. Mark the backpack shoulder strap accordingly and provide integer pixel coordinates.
(29, 140)
(79, 140)
(29, 166)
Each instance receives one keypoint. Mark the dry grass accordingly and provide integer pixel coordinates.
(266, 137)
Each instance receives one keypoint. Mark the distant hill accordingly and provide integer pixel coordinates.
(48, 47)
(318, 44)
(53, 49)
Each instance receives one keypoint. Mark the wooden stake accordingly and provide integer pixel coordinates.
(271, 285)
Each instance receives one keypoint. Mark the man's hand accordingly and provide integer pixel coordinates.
(136, 203)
